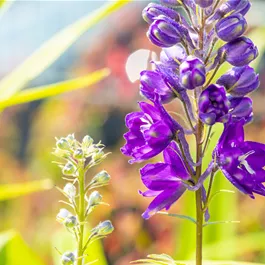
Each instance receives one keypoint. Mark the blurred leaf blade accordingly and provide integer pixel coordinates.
(14, 251)
(11, 191)
(51, 50)
(42, 92)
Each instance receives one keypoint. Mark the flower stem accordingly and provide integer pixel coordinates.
(81, 214)
(199, 210)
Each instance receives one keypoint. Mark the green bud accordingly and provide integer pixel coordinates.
(69, 169)
(63, 144)
(70, 138)
(94, 199)
(102, 178)
(104, 228)
(78, 154)
(87, 141)
(70, 190)
(70, 221)
(98, 156)
(68, 258)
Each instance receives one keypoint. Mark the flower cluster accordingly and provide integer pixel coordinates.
(194, 46)
(78, 158)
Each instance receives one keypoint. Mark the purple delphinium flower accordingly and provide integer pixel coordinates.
(241, 161)
(241, 108)
(165, 32)
(154, 10)
(150, 131)
(239, 52)
(231, 27)
(163, 180)
(239, 81)
(173, 56)
(214, 105)
(192, 72)
(204, 3)
(152, 83)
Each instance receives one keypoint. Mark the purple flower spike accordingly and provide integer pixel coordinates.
(240, 51)
(204, 3)
(154, 10)
(150, 131)
(231, 27)
(242, 162)
(192, 73)
(166, 32)
(163, 181)
(239, 81)
(214, 105)
(152, 83)
(241, 108)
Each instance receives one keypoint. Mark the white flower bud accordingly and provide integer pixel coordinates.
(68, 258)
(70, 138)
(70, 221)
(94, 199)
(63, 144)
(87, 141)
(62, 215)
(69, 169)
(78, 154)
(104, 228)
(70, 190)
(98, 156)
(101, 178)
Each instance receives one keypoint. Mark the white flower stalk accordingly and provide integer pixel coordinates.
(78, 158)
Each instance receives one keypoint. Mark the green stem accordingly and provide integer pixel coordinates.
(81, 214)
(198, 196)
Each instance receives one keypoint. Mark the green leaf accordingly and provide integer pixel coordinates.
(11, 191)
(14, 251)
(37, 93)
(191, 219)
(51, 50)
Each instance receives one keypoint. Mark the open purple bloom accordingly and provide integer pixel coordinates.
(153, 83)
(214, 105)
(239, 81)
(231, 27)
(163, 180)
(150, 131)
(192, 72)
(241, 161)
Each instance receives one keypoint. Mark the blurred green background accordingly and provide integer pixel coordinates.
(93, 41)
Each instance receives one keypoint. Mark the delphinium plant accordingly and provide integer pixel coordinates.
(194, 47)
(77, 158)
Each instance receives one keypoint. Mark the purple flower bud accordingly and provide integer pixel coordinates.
(239, 81)
(175, 3)
(214, 105)
(231, 27)
(165, 32)
(241, 108)
(154, 10)
(152, 83)
(232, 7)
(192, 73)
(204, 3)
(173, 56)
(240, 51)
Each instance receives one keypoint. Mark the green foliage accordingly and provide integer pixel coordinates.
(42, 92)
(11, 191)
(14, 251)
(51, 50)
